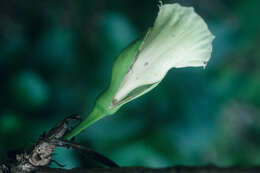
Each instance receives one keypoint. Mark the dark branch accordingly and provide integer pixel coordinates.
(179, 169)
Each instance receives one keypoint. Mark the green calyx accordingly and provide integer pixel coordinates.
(105, 102)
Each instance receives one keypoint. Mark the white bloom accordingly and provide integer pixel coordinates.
(179, 38)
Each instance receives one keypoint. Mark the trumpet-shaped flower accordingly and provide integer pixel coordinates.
(178, 38)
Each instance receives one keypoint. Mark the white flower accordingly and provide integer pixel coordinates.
(179, 38)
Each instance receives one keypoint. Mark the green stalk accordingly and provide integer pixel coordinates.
(96, 114)
(103, 103)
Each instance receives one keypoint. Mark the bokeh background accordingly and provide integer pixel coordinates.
(56, 57)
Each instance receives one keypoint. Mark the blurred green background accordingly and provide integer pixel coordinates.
(56, 57)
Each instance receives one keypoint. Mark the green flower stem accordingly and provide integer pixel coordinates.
(103, 104)
(96, 114)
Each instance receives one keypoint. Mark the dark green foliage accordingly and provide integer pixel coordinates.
(56, 57)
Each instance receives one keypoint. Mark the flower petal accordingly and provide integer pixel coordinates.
(179, 38)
